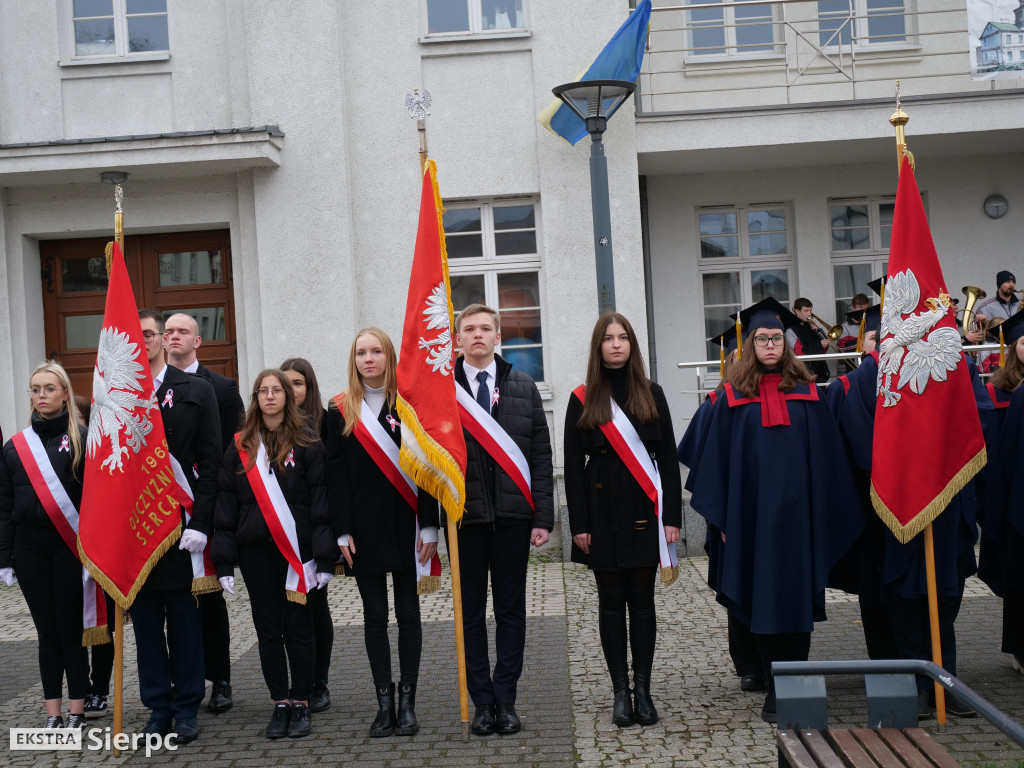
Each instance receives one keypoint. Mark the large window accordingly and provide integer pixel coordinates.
(745, 256)
(461, 17)
(104, 29)
(733, 31)
(493, 259)
(864, 22)
(861, 230)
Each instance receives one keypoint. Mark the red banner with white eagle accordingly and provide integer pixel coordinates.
(928, 442)
(129, 515)
(433, 451)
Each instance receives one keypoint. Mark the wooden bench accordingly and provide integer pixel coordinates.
(862, 748)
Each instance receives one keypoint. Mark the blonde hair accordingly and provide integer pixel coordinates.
(355, 391)
(77, 449)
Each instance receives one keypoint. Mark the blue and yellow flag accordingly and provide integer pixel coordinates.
(620, 60)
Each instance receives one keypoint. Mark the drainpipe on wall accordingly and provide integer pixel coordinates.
(645, 235)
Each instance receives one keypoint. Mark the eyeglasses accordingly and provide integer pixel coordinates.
(275, 391)
(150, 335)
(50, 390)
(762, 341)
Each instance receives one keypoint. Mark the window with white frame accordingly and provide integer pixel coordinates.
(862, 22)
(731, 30)
(116, 28)
(861, 230)
(467, 17)
(745, 256)
(493, 259)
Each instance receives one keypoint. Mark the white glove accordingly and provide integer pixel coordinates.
(322, 579)
(7, 577)
(192, 541)
(227, 583)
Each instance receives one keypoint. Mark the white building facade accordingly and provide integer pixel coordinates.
(273, 180)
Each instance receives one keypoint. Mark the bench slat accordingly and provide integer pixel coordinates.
(929, 746)
(904, 748)
(824, 756)
(849, 749)
(876, 748)
(792, 750)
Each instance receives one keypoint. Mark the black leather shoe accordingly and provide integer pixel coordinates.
(406, 724)
(321, 698)
(507, 721)
(483, 721)
(384, 723)
(643, 705)
(622, 710)
(220, 697)
(751, 683)
(956, 707)
(277, 728)
(187, 729)
(301, 723)
(157, 726)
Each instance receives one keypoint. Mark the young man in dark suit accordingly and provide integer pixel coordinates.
(181, 340)
(171, 664)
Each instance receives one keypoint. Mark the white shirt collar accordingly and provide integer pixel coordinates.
(192, 368)
(159, 380)
(471, 372)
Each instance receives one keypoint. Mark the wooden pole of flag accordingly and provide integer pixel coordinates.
(899, 119)
(418, 102)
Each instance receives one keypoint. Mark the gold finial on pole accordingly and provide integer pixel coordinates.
(898, 119)
(418, 104)
(118, 227)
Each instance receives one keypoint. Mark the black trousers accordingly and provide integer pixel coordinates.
(630, 590)
(1013, 623)
(170, 666)
(323, 632)
(216, 636)
(746, 659)
(911, 630)
(785, 646)
(102, 657)
(284, 629)
(502, 550)
(374, 591)
(50, 577)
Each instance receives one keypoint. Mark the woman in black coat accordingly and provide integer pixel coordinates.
(294, 460)
(49, 572)
(379, 530)
(616, 529)
(307, 397)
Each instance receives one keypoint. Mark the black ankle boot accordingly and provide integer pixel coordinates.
(611, 623)
(406, 724)
(384, 723)
(622, 710)
(642, 635)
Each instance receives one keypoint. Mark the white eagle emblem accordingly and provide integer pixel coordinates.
(911, 346)
(439, 355)
(116, 390)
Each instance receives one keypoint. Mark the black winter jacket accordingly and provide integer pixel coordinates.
(19, 504)
(490, 493)
(239, 521)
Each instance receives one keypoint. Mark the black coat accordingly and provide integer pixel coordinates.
(490, 493)
(605, 499)
(239, 520)
(229, 404)
(19, 504)
(365, 505)
(192, 426)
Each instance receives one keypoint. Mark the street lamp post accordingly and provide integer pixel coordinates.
(594, 102)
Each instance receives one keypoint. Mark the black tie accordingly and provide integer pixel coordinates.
(483, 395)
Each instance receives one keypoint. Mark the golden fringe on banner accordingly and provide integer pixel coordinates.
(441, 477)
(921, 521)
(204, 585)
(125, 601)
(428, 585)
(95, 636)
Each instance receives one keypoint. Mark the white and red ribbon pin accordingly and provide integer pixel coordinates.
(392, 421)
(65, 444)
(168, 399)
(494, 398)
(290, 460)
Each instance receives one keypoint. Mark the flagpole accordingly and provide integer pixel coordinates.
(898, 119)
(418, 102)
(118, 725)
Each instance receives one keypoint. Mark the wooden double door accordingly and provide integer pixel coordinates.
(187, 272)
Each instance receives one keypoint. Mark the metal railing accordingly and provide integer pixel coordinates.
(712, 56)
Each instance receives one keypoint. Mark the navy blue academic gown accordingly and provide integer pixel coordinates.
(784, 497)
(690, 449)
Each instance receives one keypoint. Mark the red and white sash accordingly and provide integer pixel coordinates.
(204, 574)
(495, 440)
(301, 577)
(62, 513)
(623, 437)
(384, 452)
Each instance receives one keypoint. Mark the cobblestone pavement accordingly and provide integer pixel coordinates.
(564, 694)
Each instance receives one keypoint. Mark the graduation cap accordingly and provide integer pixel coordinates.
(869, 319)
(1009, 331)
(727, 341)
(876, 285)
(767, 313)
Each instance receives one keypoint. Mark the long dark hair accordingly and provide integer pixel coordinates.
(1009, 377)
(294, 429)
(597, 407)
(313, 405)
(745, 375)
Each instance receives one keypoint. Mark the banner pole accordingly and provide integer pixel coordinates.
(118, 674)
(460, 640)
(933, 620)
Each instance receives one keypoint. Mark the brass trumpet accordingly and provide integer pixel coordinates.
(968, 324)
